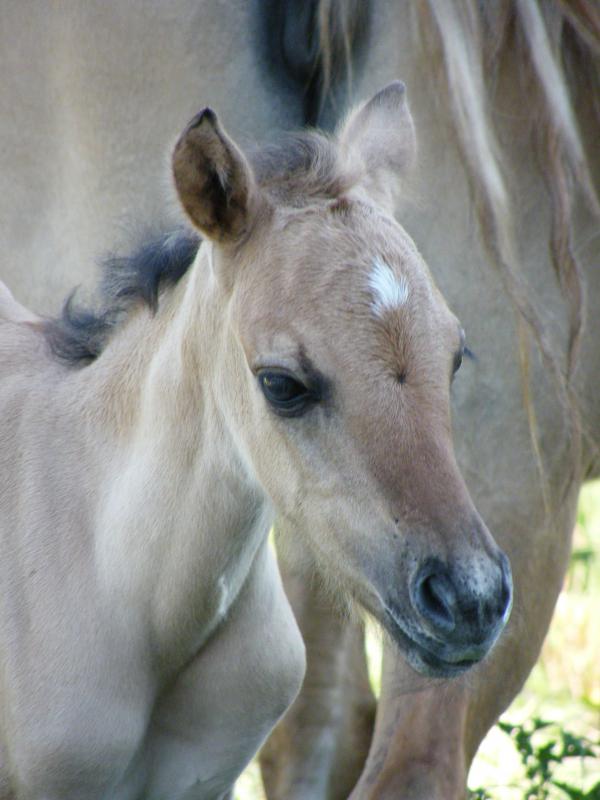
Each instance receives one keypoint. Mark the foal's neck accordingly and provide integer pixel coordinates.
(184, 516)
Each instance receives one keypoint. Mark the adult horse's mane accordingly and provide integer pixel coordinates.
(555, 45)
(316, 44)
(556, 48)
(293, 169)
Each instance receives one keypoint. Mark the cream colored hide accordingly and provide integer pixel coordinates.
(300, 368)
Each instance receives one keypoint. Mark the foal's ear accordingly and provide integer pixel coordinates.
(214, 181)
(380, 135)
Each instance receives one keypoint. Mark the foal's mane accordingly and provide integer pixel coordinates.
(81, 333)
(296, 169)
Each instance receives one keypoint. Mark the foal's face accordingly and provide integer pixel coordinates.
(345, 355)
(350, 353)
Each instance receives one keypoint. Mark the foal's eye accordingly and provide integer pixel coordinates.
(286, 395)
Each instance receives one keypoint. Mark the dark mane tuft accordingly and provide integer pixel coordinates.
(80, 334)
(313, 47)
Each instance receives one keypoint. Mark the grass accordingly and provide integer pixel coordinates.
(564, 687)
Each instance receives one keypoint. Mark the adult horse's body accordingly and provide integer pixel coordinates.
(72, 115)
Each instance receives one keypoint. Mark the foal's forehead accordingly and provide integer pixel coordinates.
(342, 282)
(351, 252)
(338, 234)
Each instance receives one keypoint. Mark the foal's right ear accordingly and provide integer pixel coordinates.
(214, 181)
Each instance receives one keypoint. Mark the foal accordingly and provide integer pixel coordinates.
(300, 367)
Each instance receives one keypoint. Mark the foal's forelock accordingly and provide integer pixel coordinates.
(301, 167)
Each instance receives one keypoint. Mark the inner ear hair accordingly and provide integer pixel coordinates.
(214, 182)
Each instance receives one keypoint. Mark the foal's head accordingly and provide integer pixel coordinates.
(345, 354)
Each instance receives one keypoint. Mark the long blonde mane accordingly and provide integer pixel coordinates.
(556, 45)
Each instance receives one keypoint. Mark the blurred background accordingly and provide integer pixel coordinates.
(563, 690)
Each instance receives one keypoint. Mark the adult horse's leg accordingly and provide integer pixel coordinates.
(319, 748)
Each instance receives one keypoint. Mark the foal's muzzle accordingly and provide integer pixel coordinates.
(461, 610)
(456, 614)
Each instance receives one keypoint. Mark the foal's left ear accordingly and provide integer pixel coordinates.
(380, 136)
(214, 181)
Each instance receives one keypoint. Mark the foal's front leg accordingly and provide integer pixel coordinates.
(212, 720)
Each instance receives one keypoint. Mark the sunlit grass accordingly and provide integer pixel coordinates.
(249, 786)
(563, 687)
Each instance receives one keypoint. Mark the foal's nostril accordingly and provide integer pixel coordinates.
(435, 599)
(457, 608)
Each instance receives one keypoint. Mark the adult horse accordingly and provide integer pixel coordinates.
(505, 100)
